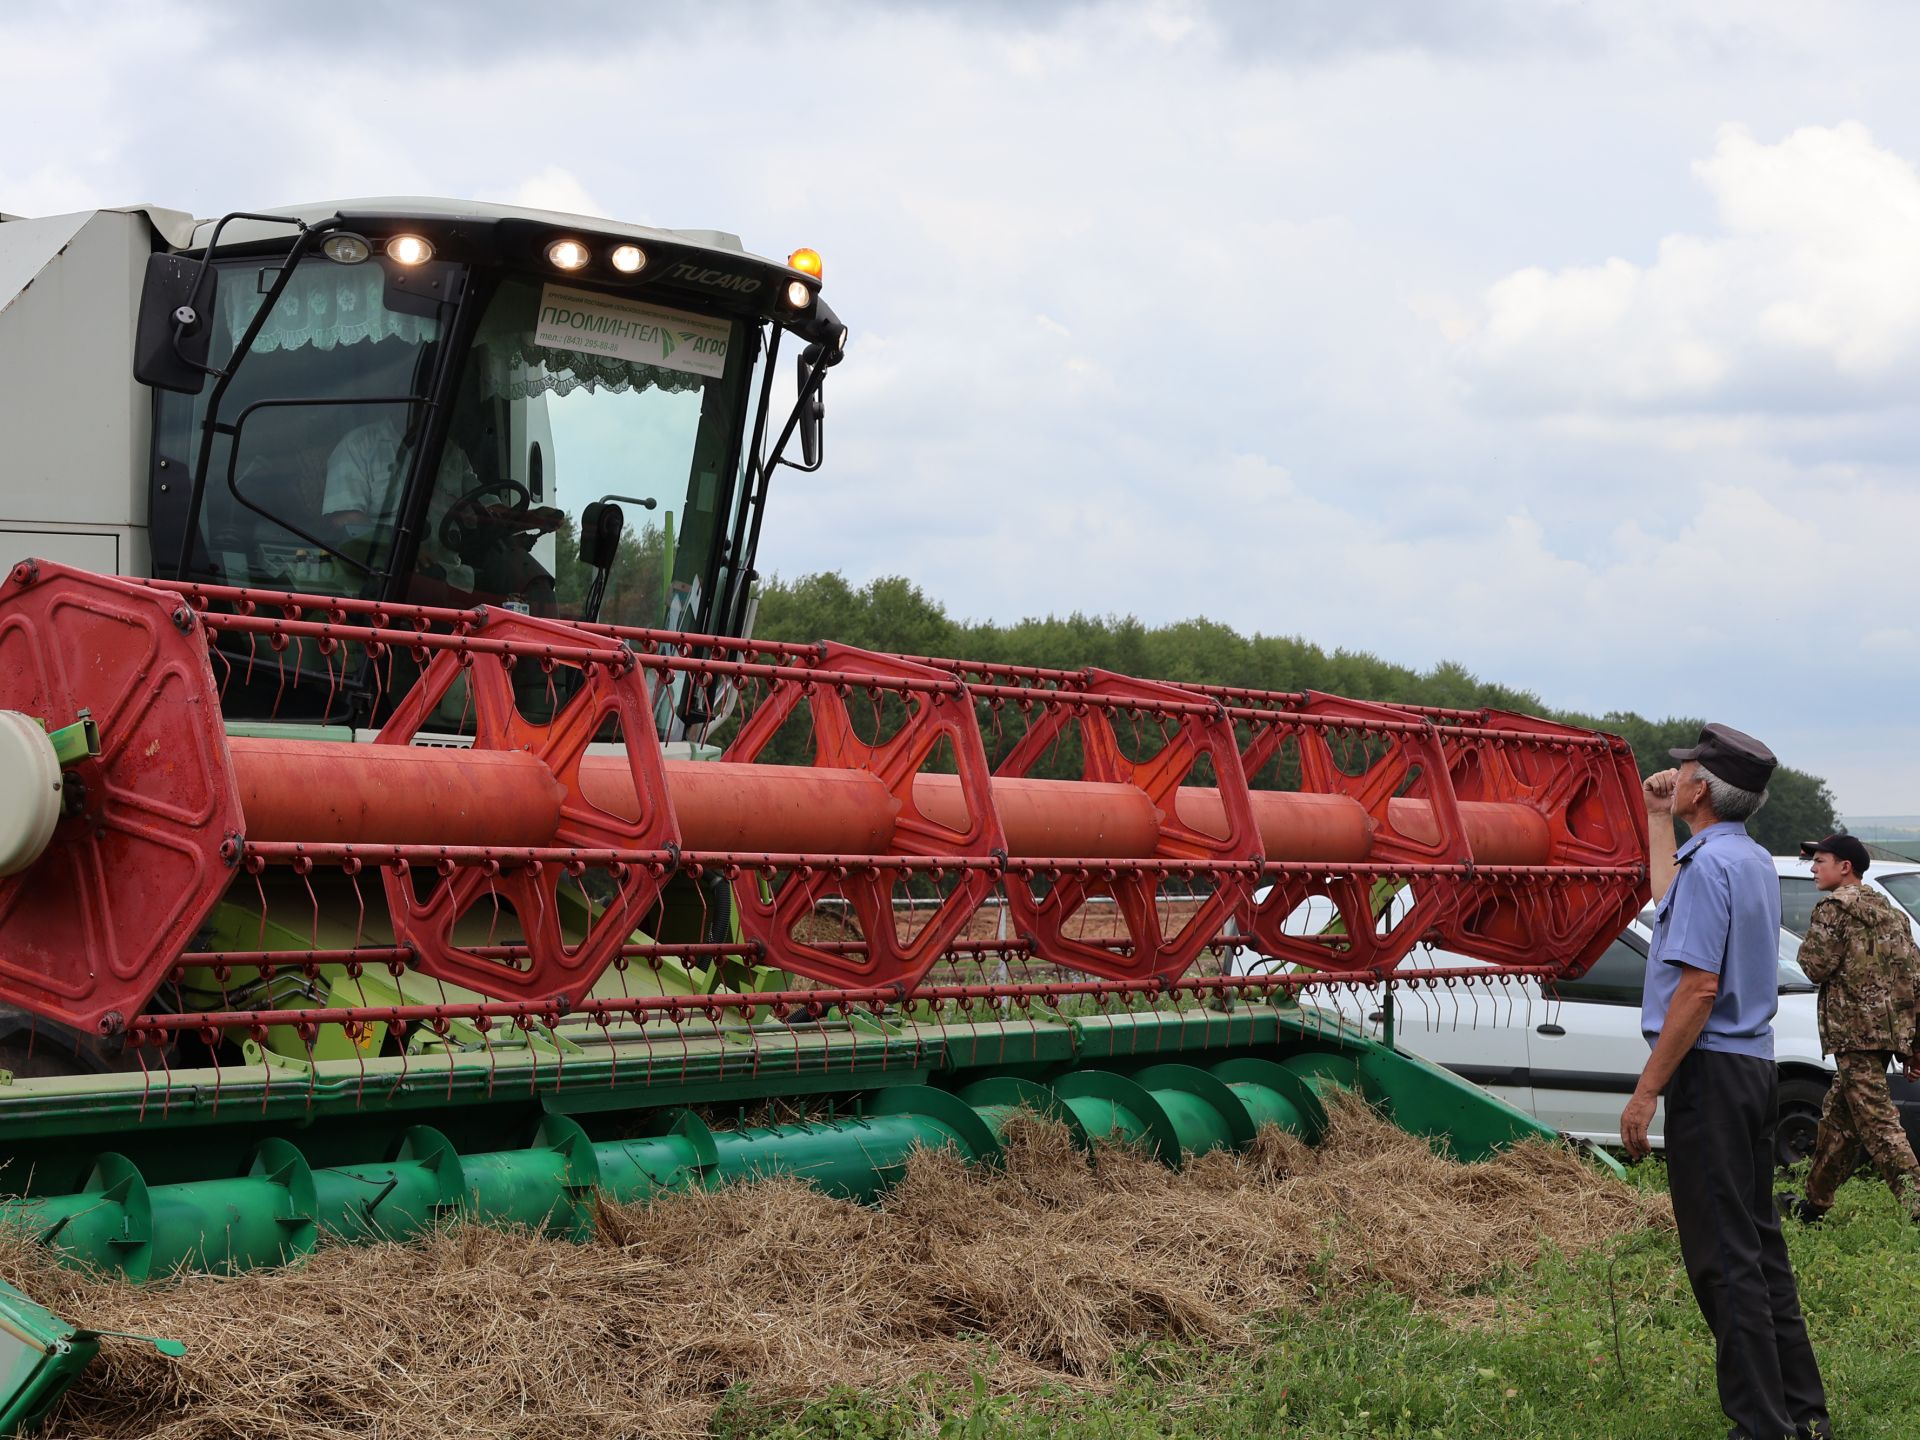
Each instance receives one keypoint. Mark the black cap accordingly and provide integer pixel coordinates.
(1841, 847)
(1732, 755)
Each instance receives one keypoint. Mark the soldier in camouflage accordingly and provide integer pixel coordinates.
(1860, 950)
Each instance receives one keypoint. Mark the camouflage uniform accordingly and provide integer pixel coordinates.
(1861, 951)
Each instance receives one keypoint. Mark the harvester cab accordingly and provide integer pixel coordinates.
(421, 402)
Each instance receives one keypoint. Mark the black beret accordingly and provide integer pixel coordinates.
(1732, 755)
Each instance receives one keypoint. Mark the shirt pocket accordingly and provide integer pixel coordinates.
(1658, 929)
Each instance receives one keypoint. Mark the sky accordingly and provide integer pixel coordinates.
(1573, 342)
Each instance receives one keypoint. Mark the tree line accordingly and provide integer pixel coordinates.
(895, 614)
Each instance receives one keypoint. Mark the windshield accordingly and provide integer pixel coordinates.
(568, 397)
(329, 401)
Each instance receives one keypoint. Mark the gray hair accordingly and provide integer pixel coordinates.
(1730, 802)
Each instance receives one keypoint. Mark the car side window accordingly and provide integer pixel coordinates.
(1616, 978)
(1798, 896)
(1904, 886)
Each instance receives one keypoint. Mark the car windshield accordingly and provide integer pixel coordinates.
(568, 397)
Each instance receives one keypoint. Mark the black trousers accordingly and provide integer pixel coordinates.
(1721, 1112)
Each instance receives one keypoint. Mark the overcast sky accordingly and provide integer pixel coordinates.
(1577, 343)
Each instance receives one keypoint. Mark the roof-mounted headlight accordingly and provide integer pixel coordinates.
(628, 259)
(567, 255)
(409, 250)
(346, 248)
(823, 328)
(798, 295)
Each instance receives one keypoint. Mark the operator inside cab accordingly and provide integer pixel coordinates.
(475, 544)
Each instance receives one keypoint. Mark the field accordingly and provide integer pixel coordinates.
(1604, 1344)
(1362, 1288)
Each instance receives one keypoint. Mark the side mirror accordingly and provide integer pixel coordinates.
(813, 408)
(600, 526)
(175, 330)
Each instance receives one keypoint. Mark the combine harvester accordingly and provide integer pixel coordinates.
(388, 834)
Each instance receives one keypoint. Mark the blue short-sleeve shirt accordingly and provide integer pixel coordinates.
(1722, 914)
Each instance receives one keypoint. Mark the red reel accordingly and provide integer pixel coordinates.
(142, 856)
(1590, 799)
(1199, 730)
(1376, 757)
(935, 711)
(443, 923)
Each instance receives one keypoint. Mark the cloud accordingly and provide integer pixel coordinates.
(553, 188)
(1807, 298)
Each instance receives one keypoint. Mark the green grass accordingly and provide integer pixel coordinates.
(1546, 1358)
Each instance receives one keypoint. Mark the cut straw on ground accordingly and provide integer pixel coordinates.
(1046, 1271)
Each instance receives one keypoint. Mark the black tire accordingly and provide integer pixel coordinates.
(1800, 1102)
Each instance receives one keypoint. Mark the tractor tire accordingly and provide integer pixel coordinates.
(1800, 1102)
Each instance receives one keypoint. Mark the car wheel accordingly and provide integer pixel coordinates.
(1800, 1102)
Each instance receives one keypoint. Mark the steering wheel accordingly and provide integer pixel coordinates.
(464, 515)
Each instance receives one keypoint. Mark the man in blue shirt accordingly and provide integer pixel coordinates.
(1712, 987)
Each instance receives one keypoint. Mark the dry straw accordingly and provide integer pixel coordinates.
(1042, 1272)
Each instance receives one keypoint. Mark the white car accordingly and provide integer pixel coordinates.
(1570, 1051)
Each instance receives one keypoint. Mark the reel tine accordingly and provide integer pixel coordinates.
(166, 1089)
(360, 903)
(211, 1038)
(308, 1035)
(493, 1059)
(146, 1080)
(259, 1037)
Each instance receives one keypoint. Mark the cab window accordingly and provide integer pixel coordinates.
(330, 406)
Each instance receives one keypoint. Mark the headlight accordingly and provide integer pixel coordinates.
(567, 254)
(346, 248)
(409, 250)
(628, 259)
(798, 296)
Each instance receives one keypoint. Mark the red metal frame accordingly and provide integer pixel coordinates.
(933, 713)
(1595, 818)
(135, 868)
(1196, 732)
(611, 689)
(1410, 764)
(111, 911)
